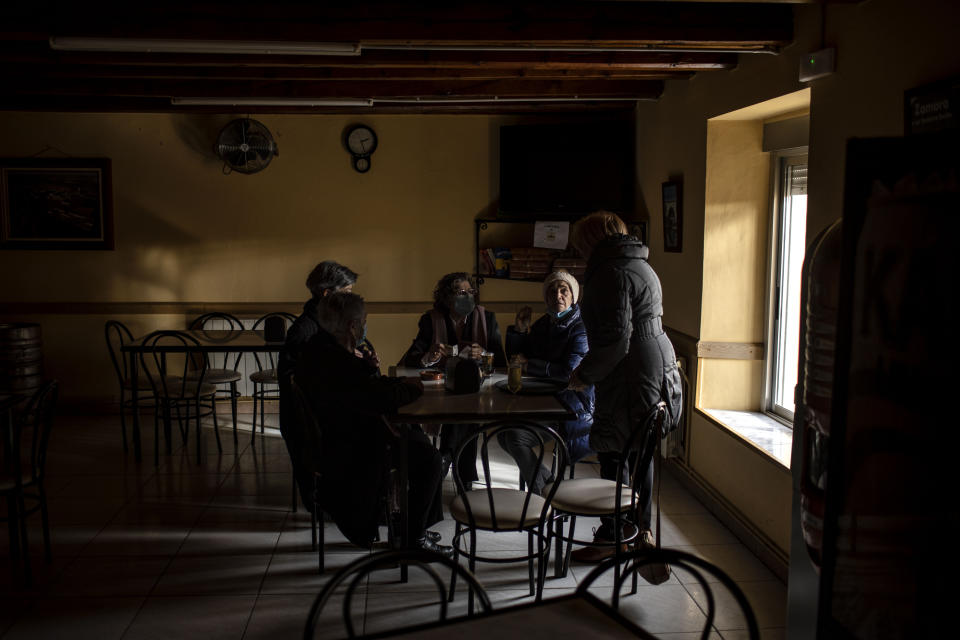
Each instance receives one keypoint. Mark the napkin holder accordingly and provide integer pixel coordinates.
(463, 375)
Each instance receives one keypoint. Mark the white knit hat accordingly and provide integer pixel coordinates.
(565, 277)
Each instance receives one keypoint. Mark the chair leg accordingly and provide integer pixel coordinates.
(123, 418)
(25, 543)
(530, 560)
(253, 429)
(263, 420)
(558, 547)
(199, 431)
(233, 408)
(473, 569)
(13, 533)
(45, 523)
(456, 559)
(566, 558)
(216, 425)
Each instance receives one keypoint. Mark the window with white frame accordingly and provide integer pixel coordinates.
(788, 244)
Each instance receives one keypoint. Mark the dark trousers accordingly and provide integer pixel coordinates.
(424, 477)
(609, 463)
(520, 445)
(452, 436)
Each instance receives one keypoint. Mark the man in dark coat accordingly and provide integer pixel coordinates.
(631, 362)
(552, 348)
(349, 398)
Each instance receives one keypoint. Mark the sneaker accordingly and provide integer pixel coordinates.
(593, 554)
(645, 540)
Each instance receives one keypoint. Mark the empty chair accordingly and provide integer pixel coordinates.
(221, 368)
(266, 374)
(186, 393)
(610, 498)
(497, 509)
(638, 559)
(348, 579)
(117, 335)
(22, 472)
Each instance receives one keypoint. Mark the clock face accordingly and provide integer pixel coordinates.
(361, 141)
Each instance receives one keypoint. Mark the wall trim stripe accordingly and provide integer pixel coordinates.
(251, 309)
(730, 350)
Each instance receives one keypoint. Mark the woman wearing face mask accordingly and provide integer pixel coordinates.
(455, 321)
(552, 348)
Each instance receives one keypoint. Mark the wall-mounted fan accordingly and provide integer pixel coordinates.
(245, 146)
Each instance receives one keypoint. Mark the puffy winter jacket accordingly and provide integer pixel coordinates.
(631, 361)
(553, 349)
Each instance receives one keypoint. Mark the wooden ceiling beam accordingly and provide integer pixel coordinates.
(512, 88)
(56, 73)
(594, 24)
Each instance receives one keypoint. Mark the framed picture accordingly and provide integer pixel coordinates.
(56, 203)
(672, 217)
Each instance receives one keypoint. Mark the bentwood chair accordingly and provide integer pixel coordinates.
(354, 575)
(21, 476)
(266, 374)
(173, 364)
(221, 368)
(638, 559)
(501, 509)
(117, 335)
(596, 497)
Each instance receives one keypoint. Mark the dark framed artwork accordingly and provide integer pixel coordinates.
(672, 217)
(56, 203)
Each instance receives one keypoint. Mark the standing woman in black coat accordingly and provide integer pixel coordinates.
(631, 362)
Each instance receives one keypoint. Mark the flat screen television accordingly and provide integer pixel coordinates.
(566, 170)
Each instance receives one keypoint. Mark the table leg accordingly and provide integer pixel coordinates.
(404, 477)
(134, 404)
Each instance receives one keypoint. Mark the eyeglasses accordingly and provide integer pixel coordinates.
(465, 292)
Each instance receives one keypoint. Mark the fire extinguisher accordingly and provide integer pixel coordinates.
(820, 287)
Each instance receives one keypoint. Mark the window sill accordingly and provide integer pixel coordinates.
(764, 432)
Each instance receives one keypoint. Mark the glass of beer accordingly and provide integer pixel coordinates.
(515, 376)
(487, 359)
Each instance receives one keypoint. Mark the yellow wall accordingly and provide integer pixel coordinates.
(185, 232)
(883, 48)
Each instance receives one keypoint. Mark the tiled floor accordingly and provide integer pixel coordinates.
(213, 551)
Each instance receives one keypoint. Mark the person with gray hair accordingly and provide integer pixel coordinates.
(326, 278)
(349, 397)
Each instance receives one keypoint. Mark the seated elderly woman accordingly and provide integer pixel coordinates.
(349, 397)
(455, 321)
(552, 348)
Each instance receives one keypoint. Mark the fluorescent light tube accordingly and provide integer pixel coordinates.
(140, 45)
(273, 102)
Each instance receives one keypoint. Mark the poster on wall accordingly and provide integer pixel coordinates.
(672, 217)
(62, 203)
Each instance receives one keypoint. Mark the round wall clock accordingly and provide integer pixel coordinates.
(360, 141)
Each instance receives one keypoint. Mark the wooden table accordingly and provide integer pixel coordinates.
(211, 341)
(489, 404)
(573, 617)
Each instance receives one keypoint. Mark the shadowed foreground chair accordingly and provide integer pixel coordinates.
(696, 566)
(266, 374)
(349, 578)
(186, 394)
(499, 509)
(117, 334)
(22, 473)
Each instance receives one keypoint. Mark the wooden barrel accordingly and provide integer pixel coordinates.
(21, 358)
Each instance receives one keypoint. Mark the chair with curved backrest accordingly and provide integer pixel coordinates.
(354, 573)
(499, 509)
(117, 335)
(266, 373)
(638, 559)
(186, 393)
(592, 497)
(21, 477)
(221, 368)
